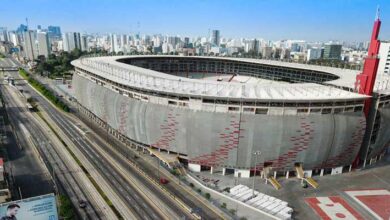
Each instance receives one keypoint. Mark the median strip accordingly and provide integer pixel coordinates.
(94, 183)
(41, 88)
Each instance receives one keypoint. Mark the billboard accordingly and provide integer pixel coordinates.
(34, 208)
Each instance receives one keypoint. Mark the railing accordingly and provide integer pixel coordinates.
(140, 78)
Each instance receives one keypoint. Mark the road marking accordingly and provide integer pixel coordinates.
(333, 208)
(375, 201)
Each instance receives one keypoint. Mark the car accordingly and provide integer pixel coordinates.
(82, 204)
(163, 181)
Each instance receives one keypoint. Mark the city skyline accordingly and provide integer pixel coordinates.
(340, 20)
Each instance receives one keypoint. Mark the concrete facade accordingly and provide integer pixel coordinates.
(227, 139)
(159, 111)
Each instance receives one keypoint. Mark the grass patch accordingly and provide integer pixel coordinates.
(44, 91)
(94, 183)
(66, 208)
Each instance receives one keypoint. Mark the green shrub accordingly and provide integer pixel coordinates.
(199, 190)
(207, 195)
(44, 91)
(192, 185)
(223, 205)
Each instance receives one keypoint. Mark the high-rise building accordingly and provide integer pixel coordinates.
(384, 58)
(71, 41)
(29, 45)
(77, 39)
(43, 44)
(21, 29)
(54, 31)
(68, 42)
(14, 38)
(84, 43)
(186, 42)
(3, 34)
(266, 52)
(114, 43)
(215, 37)
(313, 53)
(123, 40)
(332, 51)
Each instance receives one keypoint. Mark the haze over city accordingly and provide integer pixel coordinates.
(344, 20)
(195, 109)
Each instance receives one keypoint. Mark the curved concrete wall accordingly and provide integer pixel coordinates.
(383, 137)
(228, 139)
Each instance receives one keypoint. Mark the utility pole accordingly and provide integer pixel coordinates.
(254, 175)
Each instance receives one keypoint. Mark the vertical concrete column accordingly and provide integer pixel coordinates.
(350, 168)
(223, 171)
(211, 170)
(287, 174)
(322, 172)
(275, 174)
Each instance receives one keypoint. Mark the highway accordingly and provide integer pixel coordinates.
(141, 208)
(107, 163)
(24, 120)
(122, 154)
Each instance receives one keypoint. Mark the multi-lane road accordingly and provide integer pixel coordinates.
(137, 200)
(38, 138)
(142, 197)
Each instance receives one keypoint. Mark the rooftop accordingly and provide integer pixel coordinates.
(133, 76)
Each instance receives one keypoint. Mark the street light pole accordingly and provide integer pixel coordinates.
(254, 175)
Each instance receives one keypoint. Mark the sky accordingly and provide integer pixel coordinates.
(311, 20)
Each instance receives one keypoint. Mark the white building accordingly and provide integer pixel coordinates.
(29, 45)
(384, 61)
(69, 41)
(14, 38)
(114, 43)
(313, 53)
(43, 44)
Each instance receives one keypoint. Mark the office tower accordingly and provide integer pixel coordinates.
(21, 29)
(43, 44)
(332, 51)
(54, 31)
(29, 45)
(215, 38)
(313, 53)
(384, 58)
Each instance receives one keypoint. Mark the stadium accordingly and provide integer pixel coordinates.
(216, 112)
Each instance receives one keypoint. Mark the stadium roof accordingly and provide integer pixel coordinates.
(133, 76)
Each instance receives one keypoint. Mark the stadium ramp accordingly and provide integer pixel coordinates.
(171, 160)
(271, 179)
(301, 175)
